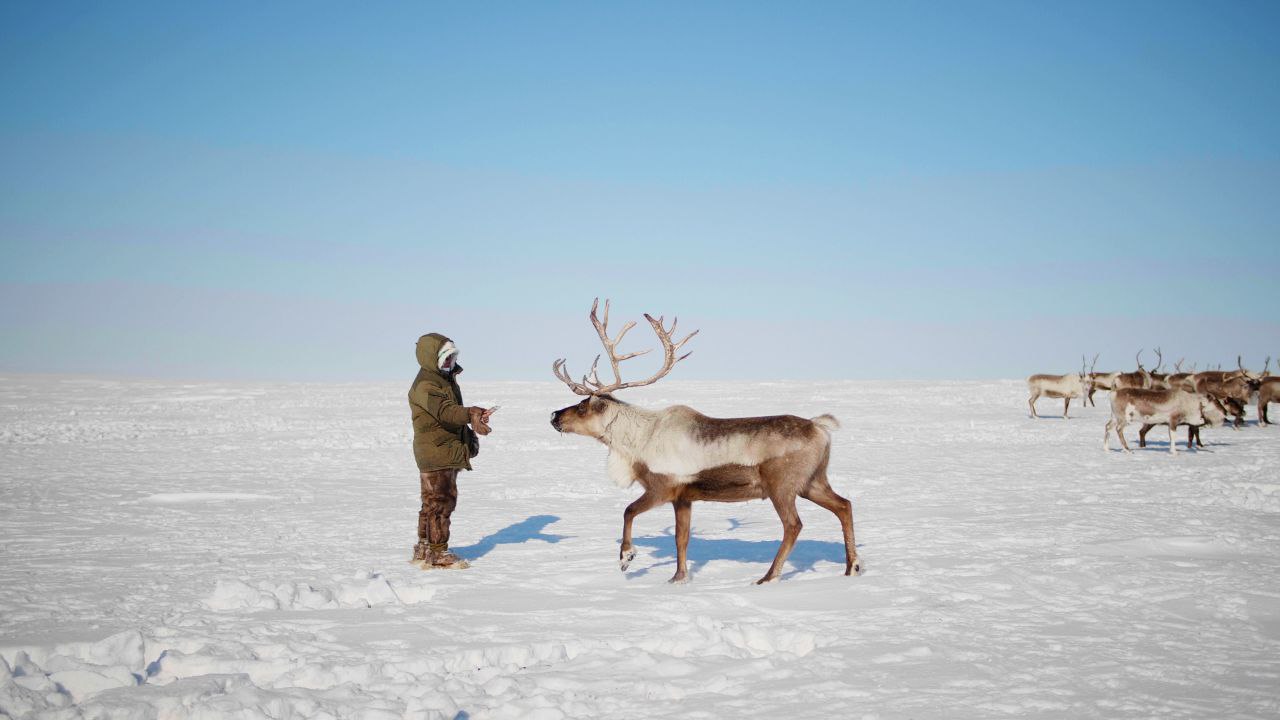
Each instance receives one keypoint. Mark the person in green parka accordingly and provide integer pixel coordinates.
(444, 441)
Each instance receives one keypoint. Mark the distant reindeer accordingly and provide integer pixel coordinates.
(1100, 381)
(1237, 387)
(1159, 380)
(1069, 386)
(1193, 435)
(1248, 374)
(679, 455)
(1229, 407)
(1219, 374)
(1181, 380)
(1160, 407)
(1141, 379)
(1268, 392)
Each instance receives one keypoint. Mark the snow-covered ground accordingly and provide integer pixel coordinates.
(240, 550)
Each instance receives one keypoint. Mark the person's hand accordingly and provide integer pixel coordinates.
(478, 420)
(489, 413)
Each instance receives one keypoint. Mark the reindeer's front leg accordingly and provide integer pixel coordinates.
(1120, 425)
(648, 501)
(684, 518)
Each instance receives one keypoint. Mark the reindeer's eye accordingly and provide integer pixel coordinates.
(582, 408)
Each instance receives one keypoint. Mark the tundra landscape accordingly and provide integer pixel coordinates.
(241, 549)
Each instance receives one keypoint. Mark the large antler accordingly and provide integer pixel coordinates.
(591, 383)
(1159, 359)
(1094, 364)
(1138, 357)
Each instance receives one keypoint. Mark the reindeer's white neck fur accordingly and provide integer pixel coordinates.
(625, 433)
(628, 427)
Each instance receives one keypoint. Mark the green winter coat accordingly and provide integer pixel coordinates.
(439, 418)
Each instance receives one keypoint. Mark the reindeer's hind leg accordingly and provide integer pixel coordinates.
(1142, 435)
(785, 504)
(684, 518)
(1032, 402)
(820, 493)
(648, 501)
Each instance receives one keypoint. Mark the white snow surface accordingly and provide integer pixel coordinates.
(174, 550)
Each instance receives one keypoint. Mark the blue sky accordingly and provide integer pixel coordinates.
(828, 190)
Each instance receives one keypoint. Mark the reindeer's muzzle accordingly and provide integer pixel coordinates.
(555, 421)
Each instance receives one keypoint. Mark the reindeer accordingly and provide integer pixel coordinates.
(1069, 386)
(1159, 380)
(1229, 407)
(1234, 387)
(1220, 375)
(1101, 381)
(1268, 392)
(1193, 435)
(1160, 407)
(1140, 379)
(1180, 380)
(1250, 375)
(679, 455)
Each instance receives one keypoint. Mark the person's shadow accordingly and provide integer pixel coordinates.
(528, 529)
(804, 555)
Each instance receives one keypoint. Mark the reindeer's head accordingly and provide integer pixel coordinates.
(1249, 375)
(1212, 410)
(592, 416)
(1087, 376)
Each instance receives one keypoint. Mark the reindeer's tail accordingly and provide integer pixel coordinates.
(827, 422)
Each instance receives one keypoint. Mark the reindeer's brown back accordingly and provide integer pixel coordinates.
(708, 429)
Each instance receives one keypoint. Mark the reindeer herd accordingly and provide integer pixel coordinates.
(1152, 398)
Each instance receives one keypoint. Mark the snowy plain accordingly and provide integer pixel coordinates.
(240, 550)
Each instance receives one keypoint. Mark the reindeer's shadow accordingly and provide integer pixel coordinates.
(1163, 446)
(531, 528)
(804, 556)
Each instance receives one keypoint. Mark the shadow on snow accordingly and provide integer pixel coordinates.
(531, 528)
(804, 555)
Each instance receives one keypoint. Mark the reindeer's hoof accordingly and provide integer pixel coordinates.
(624, 560)
(855, 569)
(766, 579)
(679, 579)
